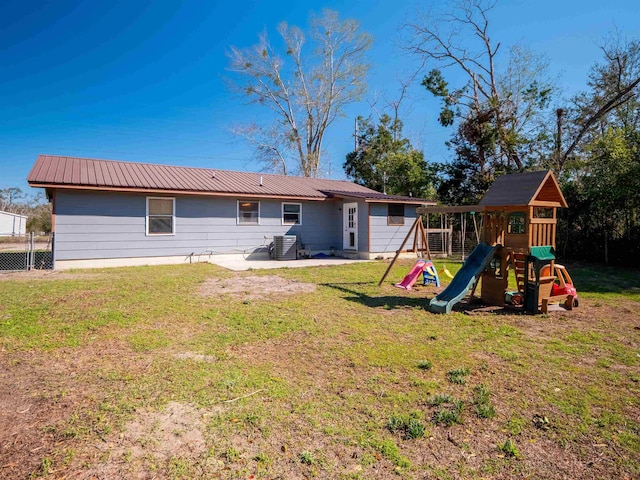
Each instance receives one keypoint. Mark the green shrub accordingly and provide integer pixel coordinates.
(409, 425)
(438, 400)
(483, 407)
(307, 458)
(425, 365)
(509, 448)
(485, 411)
(447, 416)
(458, 376)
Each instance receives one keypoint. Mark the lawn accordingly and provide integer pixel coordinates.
(193, 371)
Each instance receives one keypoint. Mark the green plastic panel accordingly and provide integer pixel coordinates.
(546, 252)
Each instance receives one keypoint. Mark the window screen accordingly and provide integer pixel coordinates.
(291, 213)
(248, 213)
(160, 216)
(395, 215)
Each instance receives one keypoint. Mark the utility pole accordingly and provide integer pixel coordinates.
(559, 114)
(558, 152)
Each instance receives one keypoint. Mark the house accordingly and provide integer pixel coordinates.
(113, 213)
(12, 224)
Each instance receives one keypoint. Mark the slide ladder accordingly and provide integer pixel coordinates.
(518, 268)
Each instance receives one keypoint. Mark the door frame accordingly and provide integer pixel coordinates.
(350, 228)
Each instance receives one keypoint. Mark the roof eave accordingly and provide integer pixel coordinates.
(13, 214)
(434, 208)
(385, 199)
(174, 192)
(406, 202)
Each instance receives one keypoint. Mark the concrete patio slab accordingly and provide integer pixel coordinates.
(240, 264)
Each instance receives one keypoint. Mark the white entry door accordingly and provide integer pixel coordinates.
(350, 226)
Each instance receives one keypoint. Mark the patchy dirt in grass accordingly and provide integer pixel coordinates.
(601, 319)
(474, 446)
(37, 398)
(196, 357)
(45, 397)
(152, 439)
(254, 287)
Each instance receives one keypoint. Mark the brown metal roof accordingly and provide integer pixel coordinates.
(85, 173)
(373, 196)
(528, 188)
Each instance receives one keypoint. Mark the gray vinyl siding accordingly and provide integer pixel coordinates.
(388, 238)
(95, 225)
(363, 227)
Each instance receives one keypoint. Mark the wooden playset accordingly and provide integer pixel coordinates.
(520, 218)
(519, 221)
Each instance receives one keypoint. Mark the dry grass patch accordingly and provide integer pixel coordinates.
(254, 287)
(196, 357)
(38, 275)
(172, 438)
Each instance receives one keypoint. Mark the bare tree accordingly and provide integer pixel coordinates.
(271, 148)
(11, 199)
(307, 91)
(381, 103)
(494, 104)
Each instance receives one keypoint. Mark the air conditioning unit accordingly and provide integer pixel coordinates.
(284, 247)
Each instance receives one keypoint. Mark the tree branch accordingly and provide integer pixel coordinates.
(610, 105)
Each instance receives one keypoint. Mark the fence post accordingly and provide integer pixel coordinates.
(31, 256)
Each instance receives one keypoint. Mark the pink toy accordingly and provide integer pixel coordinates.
(413, 275)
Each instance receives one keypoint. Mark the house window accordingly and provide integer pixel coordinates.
(395, 214)
(292, 214)
(248, 213)
(517, 223)
(161, 218)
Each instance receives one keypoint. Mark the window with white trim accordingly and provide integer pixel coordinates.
(248, 212)
(161, 216)
(291, 213)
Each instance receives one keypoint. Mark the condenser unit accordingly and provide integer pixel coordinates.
(284, 247)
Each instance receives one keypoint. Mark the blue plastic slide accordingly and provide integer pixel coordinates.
(464, 280)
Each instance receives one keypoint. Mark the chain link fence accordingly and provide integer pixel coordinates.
(451, 244)
(26, 252)
(457, 236)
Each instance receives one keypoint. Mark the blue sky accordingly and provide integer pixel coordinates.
(144, 80)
